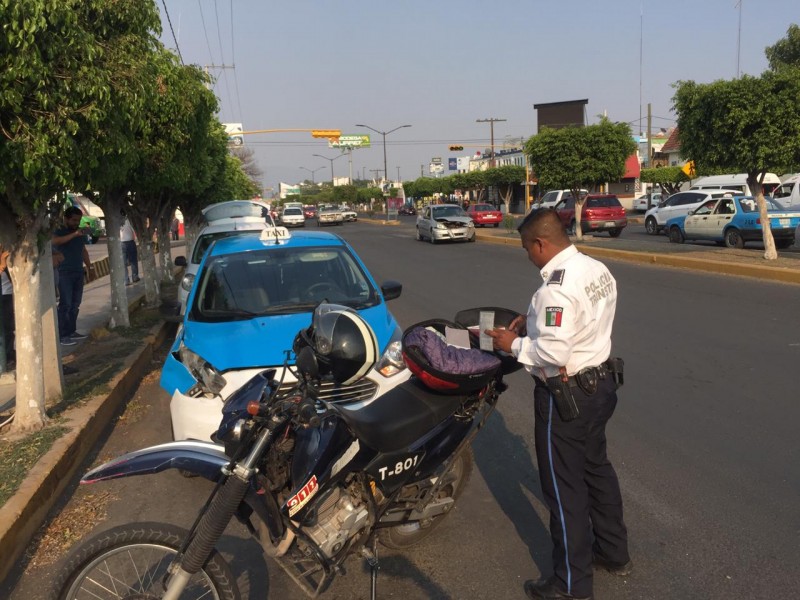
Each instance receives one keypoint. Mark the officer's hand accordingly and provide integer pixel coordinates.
(503, 338)
(519, 325)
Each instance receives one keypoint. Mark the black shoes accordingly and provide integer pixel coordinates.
(545, 589)
(621, 570)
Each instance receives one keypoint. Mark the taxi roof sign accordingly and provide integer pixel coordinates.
(275, 234)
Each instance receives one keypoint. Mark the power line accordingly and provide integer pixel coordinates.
(205, 31)
(172, 30)
(235, 76)
(222, 56)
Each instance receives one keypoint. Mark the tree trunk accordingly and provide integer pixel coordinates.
(26, 278)
(152, 281)
(165, 249)
(755, 182)
(507, 198)
(579, 201)
(51, 343)
(120, 317)
(191, 231)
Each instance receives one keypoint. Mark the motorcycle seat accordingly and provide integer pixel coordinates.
(401, 416)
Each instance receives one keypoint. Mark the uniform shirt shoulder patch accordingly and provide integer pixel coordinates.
(552, 316)
(556, 278)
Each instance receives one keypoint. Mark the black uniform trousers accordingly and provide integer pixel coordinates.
(580, 485)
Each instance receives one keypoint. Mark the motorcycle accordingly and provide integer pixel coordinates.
(313, 482)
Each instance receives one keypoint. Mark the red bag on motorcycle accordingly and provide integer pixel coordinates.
(442, 367)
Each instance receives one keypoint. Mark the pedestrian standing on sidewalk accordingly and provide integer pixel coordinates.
(8, 308)
(70, 241)
(128, 239)
(175, 228)
(565, 344)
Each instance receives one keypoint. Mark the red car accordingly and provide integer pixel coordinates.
(484, 214)
(310, 212)
(601, 212)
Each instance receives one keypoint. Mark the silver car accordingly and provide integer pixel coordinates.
(438, 222)
(329, 215)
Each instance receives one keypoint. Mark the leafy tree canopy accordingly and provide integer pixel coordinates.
(576, 157)
(785, 53)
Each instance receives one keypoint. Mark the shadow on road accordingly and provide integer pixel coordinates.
(506, 464)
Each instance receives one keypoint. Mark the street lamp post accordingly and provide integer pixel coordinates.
(312, 171)
(384, 134)
(330, 159)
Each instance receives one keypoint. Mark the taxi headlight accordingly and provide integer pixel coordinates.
(202, 370)
(392, 361)
(186, 282)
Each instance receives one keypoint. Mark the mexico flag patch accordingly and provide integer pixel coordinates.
(552, 316)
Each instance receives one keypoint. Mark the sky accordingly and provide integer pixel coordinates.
(441, 66)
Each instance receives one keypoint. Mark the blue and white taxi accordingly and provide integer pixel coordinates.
(251, 296)
(734, 221)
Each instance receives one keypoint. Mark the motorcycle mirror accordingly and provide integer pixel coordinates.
(307, 363)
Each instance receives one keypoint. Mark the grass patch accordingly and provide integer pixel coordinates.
(17, 458)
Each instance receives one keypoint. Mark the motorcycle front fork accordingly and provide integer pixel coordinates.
(211, 522)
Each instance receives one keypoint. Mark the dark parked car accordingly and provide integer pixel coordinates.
(407, 209)
(601, 212)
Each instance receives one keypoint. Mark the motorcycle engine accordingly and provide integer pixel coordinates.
(339, 517)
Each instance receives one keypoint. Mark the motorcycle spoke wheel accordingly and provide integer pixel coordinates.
(410, 534)
(131, 562)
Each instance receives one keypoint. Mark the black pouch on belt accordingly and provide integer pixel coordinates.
(616, 366)
(587, 380)
(562, 396)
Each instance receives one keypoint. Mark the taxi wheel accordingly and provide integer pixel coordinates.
(676, 235)
(733, 239)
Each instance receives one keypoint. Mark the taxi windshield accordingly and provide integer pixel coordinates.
(280, 281)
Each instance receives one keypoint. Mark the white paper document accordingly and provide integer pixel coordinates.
(457, 337)
(486, 321)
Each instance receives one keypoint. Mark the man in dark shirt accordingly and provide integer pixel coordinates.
(70, 241)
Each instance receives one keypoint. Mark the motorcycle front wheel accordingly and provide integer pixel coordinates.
(410, 534)
(132, 561)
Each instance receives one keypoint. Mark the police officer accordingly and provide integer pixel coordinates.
(565, 343)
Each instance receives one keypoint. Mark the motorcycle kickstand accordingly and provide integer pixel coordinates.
(371, 554)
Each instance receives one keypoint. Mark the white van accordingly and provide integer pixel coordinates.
(736, 181)
(788, 193)
(553, 197)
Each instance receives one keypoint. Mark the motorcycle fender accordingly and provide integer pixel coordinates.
(199, 458)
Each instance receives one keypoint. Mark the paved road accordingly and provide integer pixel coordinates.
(704, 441)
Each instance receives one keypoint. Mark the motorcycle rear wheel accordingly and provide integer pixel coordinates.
(410, 534)
(131, 561)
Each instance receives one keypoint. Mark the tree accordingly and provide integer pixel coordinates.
(750, 124)
(249, 166)
(669, 178)
(129, 46)
(55, 93)
(175, 155)
(505, 178)
(577, 157)
(785, 53)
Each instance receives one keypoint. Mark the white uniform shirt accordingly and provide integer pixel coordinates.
(570, 316)
(126, 232)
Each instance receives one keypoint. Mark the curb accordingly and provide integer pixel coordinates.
(767, 273)
(28, 508)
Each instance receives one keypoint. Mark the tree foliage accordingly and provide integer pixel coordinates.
(785, 53)
(580, 157)
(669, 178)
(750, 124)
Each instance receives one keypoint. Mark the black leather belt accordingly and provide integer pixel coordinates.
(600, 372)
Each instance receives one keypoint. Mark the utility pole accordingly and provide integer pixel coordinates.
(398, 173)
(491, 122)
(375, 172)
(207, 67)
(649, 135)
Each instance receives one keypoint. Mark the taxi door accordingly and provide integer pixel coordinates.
(721, 218)
(698, 225)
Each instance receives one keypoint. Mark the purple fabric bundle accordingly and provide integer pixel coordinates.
(449, 359)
